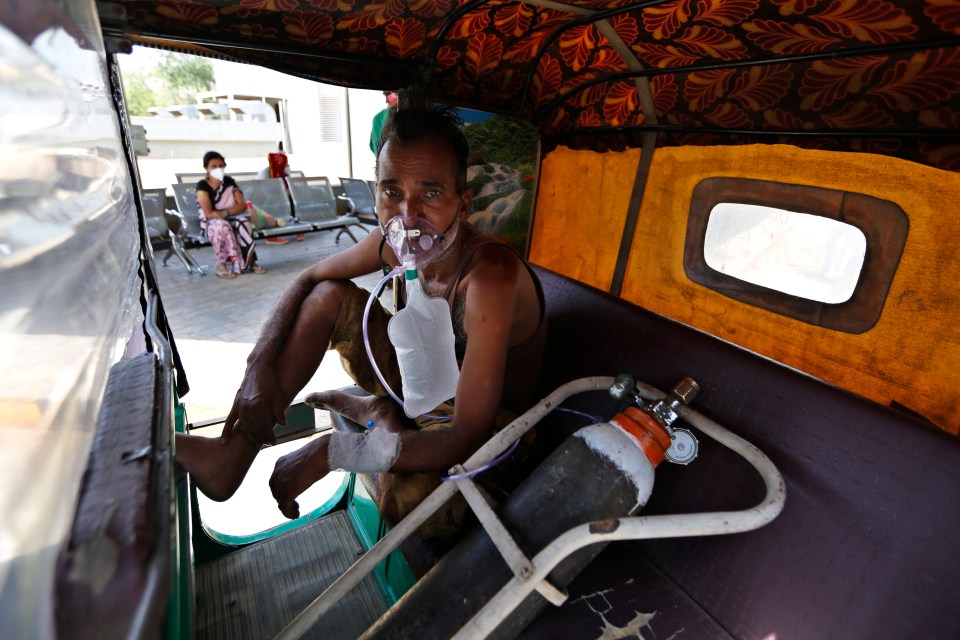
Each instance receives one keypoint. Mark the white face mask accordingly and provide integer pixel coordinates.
(217, 174)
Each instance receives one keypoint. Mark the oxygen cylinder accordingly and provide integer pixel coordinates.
(422, 335)
(601, 472)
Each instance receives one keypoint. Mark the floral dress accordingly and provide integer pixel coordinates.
(232, 236)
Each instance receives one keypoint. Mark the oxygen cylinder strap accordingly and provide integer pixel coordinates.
(518, 562)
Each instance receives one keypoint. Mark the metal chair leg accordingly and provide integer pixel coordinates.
(188, 262)
(345, 230)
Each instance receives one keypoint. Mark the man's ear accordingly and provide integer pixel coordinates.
(466, 202)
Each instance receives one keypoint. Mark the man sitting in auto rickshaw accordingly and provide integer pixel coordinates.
(499, 322)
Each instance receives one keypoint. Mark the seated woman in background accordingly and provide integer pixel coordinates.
(222, 219)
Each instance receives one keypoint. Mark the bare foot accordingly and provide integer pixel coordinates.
(217, 469)
(382, 412)
(297, 471)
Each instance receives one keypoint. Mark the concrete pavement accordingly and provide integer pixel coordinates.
(215, 321)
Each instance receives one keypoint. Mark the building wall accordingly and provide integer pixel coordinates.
(177, 145)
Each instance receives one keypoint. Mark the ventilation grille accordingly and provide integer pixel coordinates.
(330, 129)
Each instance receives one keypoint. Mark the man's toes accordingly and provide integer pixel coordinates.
(317, 400)
(289, 508)
(342, 403)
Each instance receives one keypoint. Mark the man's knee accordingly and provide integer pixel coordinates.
(328, 298)
(330, 291)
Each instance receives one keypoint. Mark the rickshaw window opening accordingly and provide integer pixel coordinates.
(882, 224)
(796, 253)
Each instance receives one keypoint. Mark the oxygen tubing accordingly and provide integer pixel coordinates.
(366, 336)
(509, 452)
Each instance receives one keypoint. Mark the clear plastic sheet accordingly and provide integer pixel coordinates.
(70, 288)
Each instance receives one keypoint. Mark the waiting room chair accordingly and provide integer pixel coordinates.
(153, 200)
(315, 203)
(166, 224)
(186, 197)
(178, 233)
(272, 196)
(361, 199)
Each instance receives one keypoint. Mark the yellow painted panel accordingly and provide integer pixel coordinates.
(581, 208)
(912, 355)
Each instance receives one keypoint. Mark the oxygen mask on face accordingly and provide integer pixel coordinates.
(413, 238)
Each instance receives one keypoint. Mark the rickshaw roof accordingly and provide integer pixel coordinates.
(865, 75)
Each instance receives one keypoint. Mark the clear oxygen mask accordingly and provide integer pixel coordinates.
(413, 239)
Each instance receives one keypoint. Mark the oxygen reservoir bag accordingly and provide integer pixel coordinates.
(422, 335)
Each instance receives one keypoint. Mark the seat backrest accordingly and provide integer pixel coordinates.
(360, 195)
(270, 195)
(186, 197)
(190, 178)
(193, 178)
(313, 199)
(297, 174)
(153, 201)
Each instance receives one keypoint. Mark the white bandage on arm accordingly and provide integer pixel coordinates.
(368, 452)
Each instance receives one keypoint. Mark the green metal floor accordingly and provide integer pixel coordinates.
(253, 593)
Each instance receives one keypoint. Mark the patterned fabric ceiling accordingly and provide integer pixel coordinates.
(865, 75)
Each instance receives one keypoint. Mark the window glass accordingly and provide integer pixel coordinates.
(798, 254)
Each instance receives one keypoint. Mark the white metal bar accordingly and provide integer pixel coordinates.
(515, 558)
(512, 554)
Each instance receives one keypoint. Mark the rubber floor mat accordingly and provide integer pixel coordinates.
(256, 591)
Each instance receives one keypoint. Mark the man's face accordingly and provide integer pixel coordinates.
(392, 98)
(420, 180)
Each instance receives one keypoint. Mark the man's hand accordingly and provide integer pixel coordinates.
(256, 408)
(297, 471)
